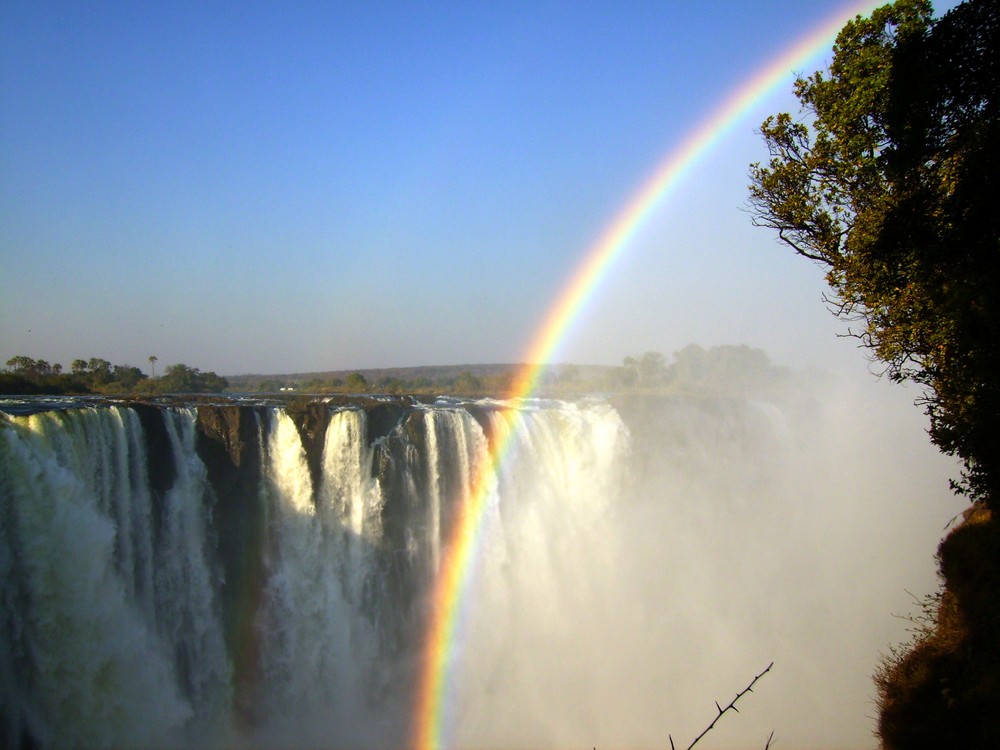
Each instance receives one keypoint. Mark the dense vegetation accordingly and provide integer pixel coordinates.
(25, 375)
(890, 182)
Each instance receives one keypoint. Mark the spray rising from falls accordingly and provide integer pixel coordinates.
(261, 576)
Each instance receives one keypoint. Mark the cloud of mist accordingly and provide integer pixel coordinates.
(788, 529)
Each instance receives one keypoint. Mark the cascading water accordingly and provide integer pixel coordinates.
(81, 655)
(257, 576)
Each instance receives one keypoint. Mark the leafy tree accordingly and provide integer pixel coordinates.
(99, 370)
(889, 184)
(723, 369)
(127, 376)
(356, 382)
(180, 378)
(34, 369)
(153, 359)
(22, 365)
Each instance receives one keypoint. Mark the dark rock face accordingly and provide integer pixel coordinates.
(384, 416)
(229, 446)
(230, 429)
(945, 690)
(160, 466)
(311, 419)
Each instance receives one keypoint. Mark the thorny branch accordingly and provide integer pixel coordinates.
(731, 706)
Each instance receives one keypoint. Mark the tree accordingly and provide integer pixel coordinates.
(650, 368)
(34, 369)
(127, 376)
(180, 378)
(21, 365)
(732, 369)
(100, 371)
(889, 185)
(356, 382)
(153, 359)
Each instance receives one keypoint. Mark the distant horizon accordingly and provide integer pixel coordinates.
(162, 365)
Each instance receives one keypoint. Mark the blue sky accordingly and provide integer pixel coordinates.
(287, 187)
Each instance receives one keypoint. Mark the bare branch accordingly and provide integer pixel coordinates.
(732, 707)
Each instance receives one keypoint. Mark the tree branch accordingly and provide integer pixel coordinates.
(730, 707)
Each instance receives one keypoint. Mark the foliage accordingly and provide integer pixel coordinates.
(356, 382)
(27, 375)
(890, 186)
(727, 369)
(649, 368)
(180, 378)
(723, 369)
(96, 375)
(466, 383)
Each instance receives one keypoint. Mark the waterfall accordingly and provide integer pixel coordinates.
(188, 616)
(81, 655)
(251, 575)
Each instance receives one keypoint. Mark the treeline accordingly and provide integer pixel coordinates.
(726, 370)
(24, 375)
(465, 383)
(496, 382)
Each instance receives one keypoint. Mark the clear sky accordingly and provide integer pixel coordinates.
(286, 187)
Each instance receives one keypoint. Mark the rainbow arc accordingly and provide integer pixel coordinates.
(452, 588)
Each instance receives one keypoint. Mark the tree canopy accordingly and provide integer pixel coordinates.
(26, 375)
(183, 379)
(889, 180)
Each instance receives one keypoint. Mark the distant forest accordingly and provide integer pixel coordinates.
(719, 369)
(731, 369)
(27, 376)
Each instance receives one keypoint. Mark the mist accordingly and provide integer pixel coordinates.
(641, 557)
(790, 529)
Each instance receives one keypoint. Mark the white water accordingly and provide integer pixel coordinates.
(80, 657)
(628, 576)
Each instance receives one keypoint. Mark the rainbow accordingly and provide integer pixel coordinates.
(450, 595)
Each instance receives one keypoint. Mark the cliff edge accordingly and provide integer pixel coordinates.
(944, 689)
